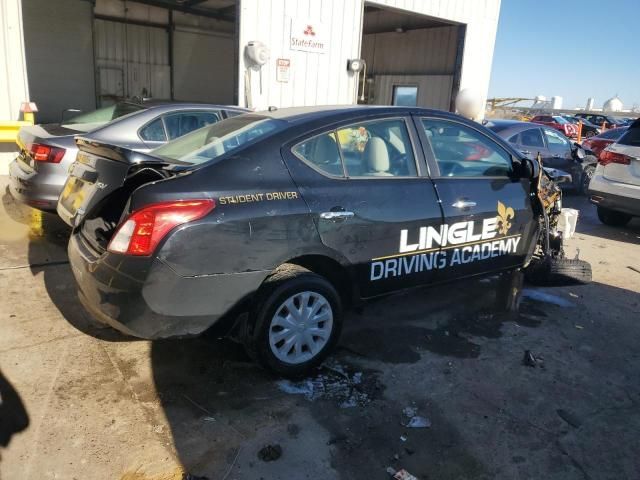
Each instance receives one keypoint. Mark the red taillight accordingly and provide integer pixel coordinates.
(607, 157)
(45, 153)
(141, 233)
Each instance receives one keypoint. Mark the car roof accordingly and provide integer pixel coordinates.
(310, 114)
(500, 125)
(161, 107)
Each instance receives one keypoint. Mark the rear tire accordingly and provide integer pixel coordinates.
(559, 271)
(284, 332)
(590, 134)
(613, 218)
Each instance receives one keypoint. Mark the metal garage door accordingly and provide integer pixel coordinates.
(131, 60)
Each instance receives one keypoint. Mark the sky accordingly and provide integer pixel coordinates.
(572, 48)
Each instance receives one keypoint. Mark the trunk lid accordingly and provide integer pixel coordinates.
(103, 174)
(49, 134)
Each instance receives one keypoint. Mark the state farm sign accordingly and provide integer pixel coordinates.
(308, 36)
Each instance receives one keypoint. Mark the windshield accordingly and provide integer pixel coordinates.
(560, 120)
(219, 138)
(105, 114)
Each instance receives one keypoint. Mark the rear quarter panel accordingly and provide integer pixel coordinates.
(260, 219)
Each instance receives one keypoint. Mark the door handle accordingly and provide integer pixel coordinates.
(464, 204)
(337, 215)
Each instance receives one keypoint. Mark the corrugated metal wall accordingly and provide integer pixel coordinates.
(481, 19)
(131, 60)
(315, 78)
(425, 51)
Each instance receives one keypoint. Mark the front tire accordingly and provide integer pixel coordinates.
(613, 218)
(554, 272)
(295, 321)
(587, 175)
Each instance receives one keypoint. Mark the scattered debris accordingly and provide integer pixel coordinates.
(403, 438)
(637, 270)
(529, 359)
(401, 474)
(579, 327)
(209, 419)
(574, 295)
(270, 453)
(413, 420)
(409, 451)
(541, 296)
(334, 382)
(569, 417)
(293, 430)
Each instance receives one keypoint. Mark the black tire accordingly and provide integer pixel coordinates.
(587, 174)
(589, 134)
(558, 271)
(285, 282)
(613, 218)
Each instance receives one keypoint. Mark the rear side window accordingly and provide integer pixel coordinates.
(461, 151)
(179, 124)
(321, 152)
(154, 132)
(631, 137)
(532, 138)
(379, 148)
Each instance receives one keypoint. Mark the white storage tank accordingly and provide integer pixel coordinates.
(589, 106)
(613, 105)
(556, 102)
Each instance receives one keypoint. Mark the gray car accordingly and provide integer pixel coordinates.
(38, 174)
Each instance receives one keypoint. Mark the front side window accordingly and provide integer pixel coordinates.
(379, 148)
(462, 151)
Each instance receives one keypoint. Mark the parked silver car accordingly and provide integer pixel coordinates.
(38, 174)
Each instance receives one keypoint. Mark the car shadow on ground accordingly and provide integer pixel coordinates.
(461, 366)
(445, 355)
(47, 238)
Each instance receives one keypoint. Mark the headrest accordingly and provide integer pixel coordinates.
(377, 155)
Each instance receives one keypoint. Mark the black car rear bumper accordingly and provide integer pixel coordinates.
(145, 298)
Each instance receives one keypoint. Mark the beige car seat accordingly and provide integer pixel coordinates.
(376, 155)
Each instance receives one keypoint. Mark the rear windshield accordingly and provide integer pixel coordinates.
(560, 120)
(632, 136)
(105, 114)
(219, 138)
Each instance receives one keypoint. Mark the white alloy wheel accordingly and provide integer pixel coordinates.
(301, 327)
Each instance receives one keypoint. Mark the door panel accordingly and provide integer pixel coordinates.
(487, 213)
(559, 154)
(371, 212)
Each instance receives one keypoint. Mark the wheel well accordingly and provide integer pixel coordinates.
(333, 271)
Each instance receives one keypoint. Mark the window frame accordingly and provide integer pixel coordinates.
(432, 162)
(161, 116)
(412, 136)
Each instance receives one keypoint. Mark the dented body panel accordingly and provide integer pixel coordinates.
(384, 234)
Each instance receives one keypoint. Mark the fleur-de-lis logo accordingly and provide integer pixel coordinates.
(505, 215)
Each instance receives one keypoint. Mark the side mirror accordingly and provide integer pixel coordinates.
(527, 168)
(580, 154)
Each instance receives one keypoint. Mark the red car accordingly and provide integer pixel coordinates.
(556, 121)
(600, 142)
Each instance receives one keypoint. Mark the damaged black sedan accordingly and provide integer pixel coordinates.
(285, 218)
